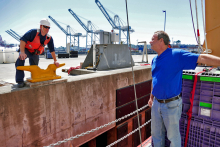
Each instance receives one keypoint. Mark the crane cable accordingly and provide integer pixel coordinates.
(198, 34)
(133, 75)
(193, 21)
(204, 27)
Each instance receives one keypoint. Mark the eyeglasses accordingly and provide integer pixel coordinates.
(46, 27)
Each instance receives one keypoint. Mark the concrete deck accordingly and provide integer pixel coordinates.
(7, 73)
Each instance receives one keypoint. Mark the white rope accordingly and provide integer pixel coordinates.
(199, 48)
(117, 141)
(133, 74)
(103, 126)
(204, 27)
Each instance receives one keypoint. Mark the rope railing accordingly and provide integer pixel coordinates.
(96, 129)
(117, 141)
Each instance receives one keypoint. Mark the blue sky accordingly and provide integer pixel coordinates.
(145, 17)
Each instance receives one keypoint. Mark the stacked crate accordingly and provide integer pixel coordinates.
(73, 54)
(63, 55)
(205, 123)
(48, 55)
(202, 133)
(187, 86)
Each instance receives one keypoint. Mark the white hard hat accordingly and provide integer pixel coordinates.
(45, 22)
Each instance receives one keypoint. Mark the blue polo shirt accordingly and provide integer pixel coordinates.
(30, 35)
(167, 71)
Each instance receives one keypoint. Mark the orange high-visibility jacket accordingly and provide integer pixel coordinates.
(36, 45)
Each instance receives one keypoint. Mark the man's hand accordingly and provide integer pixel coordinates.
(57, 63)
(150, 102)
(55, 59)
(22, 56)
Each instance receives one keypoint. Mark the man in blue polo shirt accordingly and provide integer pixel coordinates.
(32, 44)
(165, 101)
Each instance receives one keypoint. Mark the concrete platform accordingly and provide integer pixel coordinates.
(7, 73)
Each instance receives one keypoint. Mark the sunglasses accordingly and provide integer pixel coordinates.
(46, 27)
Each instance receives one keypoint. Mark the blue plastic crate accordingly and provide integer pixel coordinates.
(49, 56)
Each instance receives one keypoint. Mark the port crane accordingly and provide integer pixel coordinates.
(116, 23)
(90, 28)
(13, 34)
(68, 32)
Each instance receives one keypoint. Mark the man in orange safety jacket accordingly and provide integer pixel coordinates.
(32, 45)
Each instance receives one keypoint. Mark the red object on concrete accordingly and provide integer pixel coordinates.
(144, 64)
(146, 143)
(73, 68)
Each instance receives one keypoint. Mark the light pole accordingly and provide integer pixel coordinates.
(164, 20)
(172, 42)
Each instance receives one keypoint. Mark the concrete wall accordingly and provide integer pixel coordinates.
(47, 114)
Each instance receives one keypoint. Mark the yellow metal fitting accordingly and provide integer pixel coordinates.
(38, 74)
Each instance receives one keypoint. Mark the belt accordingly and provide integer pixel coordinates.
(168, 100)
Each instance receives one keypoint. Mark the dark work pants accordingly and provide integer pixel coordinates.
(33, 60)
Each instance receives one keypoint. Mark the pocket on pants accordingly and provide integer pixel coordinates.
(174, 104)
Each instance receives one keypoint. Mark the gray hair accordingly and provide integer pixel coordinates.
(164, 35)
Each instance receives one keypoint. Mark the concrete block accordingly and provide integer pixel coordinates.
(37, 84)
(81, 72)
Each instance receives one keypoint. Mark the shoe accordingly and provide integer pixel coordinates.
(21, 84)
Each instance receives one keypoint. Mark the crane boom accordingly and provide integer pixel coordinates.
(110, 20)
(12, 35)
(88, 28)
(68, 32)
(64, 31)
(79, 21)
(116, 23)
(15, 33)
